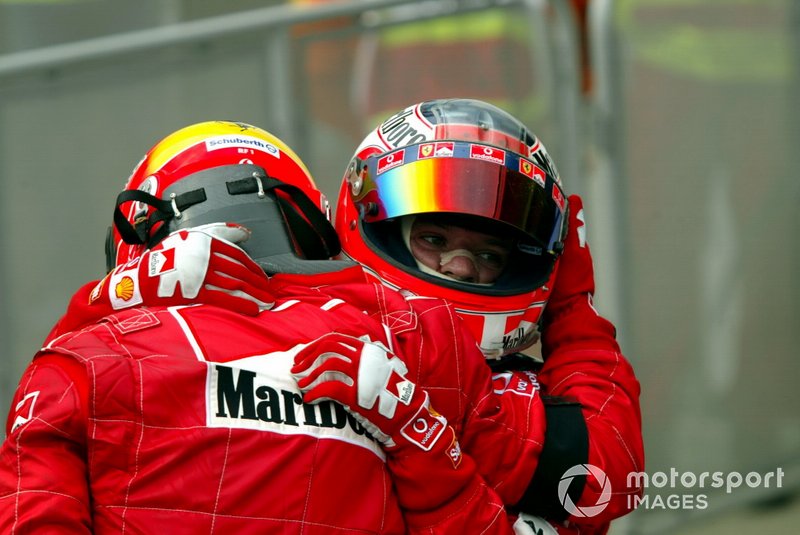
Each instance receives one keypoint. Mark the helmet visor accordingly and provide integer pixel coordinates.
(464, 178)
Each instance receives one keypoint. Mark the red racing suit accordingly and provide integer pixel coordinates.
(582, 405)
(588, 413)
(186, 420)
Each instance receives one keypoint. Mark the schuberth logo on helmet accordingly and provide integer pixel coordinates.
(224, 142)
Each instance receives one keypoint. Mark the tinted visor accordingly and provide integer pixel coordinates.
(464, 178)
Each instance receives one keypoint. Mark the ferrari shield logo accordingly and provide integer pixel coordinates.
(426, 150)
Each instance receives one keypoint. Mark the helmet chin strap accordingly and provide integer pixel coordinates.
(405, 229)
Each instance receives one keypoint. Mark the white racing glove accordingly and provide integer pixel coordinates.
(201, 264)
(435, 484)
(370, 381)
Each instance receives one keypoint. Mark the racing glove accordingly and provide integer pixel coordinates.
(201, 263)
(371, 383)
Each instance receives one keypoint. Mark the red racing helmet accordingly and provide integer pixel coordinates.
(221, 171)
(474, 160)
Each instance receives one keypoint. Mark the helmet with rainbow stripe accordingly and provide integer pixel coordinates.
(444, 171)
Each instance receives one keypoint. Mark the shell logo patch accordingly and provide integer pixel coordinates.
(124, 288)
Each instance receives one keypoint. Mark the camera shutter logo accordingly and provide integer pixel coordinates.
(586, 510)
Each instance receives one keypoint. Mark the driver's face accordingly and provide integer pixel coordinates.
(460, 253)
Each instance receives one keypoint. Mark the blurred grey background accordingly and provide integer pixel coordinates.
(677, 120)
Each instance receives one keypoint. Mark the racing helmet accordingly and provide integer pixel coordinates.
(222, 171)
(467, 158)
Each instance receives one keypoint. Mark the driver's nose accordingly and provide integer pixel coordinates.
(459, 264)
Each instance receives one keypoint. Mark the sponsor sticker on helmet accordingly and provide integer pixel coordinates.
(237, 141)
(439, 150)
(485, 152)
(558, 197)
(499, 333)
(533, 171)
(391, 160)
(407, 127)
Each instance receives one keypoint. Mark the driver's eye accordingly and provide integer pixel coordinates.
(434, 240)
(494, 260)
